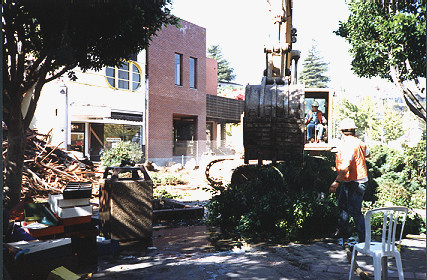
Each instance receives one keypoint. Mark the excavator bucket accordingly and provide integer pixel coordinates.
(273, 122)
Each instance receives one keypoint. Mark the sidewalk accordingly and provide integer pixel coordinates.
(186, 253)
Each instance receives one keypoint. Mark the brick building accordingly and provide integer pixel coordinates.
(176, 62)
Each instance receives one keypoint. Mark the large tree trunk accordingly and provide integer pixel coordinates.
(409, 97)
(15, 157)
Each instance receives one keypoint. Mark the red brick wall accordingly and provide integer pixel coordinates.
(211, 76)
(165, 98)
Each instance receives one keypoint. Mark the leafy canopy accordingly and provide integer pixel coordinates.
(387, 40)
(382, 37)
(44, 39)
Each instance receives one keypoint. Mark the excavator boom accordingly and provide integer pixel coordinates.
(273, 124)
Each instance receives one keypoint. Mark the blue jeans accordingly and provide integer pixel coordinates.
(310, 130)
(350, 204)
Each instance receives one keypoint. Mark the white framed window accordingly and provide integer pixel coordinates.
(178, 69)
(193, 72)
(127, 76)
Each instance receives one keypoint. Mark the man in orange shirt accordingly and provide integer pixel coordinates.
(352, 178)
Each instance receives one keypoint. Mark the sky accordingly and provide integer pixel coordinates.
(239, 27)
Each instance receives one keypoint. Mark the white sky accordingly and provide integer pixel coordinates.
(239, 27)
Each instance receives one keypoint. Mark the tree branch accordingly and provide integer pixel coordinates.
(414, 77)
(60, 73)
(411, 101)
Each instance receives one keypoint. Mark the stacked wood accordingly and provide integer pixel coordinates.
(47, 169)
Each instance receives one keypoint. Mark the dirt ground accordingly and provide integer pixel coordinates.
(197, 187)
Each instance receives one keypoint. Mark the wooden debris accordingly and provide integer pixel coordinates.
(48, 169)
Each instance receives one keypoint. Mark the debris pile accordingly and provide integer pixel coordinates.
(48, 169)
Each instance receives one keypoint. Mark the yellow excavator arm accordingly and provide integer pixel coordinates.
(278, 49)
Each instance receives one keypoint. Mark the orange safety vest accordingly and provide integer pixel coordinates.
(357, 169)
(310, 115)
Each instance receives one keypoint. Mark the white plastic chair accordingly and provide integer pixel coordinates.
(386, 248)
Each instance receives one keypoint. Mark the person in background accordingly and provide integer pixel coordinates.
(315, 119)
(352, 180)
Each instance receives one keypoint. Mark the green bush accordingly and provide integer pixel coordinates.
(279, 203)
(406, 168)
(401, 180)
(389, 193)
(418, 199)
(164, 194)
(125, 153)
(161, 179)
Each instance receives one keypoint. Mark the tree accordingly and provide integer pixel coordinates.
(363, 114)
(225, 72)
(42, 40)
(314, 69)
(391, 123)
(380, 121)
(388, 41)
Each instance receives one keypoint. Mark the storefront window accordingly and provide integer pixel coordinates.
(77, 137)
(114, 133)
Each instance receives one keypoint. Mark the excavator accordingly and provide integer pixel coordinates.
(273, 122)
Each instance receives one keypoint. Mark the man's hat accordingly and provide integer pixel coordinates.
(315, 104)
(347, 123)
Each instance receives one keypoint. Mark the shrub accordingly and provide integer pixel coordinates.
(164, 194)
(278, 203)
(166, 179)
(390, 193)
(125, 153)
(418, 199)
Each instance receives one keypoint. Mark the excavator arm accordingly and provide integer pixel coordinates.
(278, 49)
(273, 122)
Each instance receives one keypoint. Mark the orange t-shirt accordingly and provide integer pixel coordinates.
(357, 169)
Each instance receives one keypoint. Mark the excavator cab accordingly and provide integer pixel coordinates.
(324, 97)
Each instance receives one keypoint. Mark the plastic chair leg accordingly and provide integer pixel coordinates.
(384, 268)
(399, 265)
(353, 261)
(377, 267)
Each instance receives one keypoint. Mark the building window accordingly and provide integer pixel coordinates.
(114, 133)
(178, 69)
(127, 76)
(193, 72)
(78, 137)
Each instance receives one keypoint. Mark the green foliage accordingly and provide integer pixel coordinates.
(124, 152)
(162, 179)
(392, 124)
(163, 194)
(387, 40)
(287, 202)
(363, 114)
(414, 224)
(384, 125)
(46, 39)
(389, 193)
(314, 69)
(400, 175)
(225, 71)
(277, 203)
(418, 199)
(381, 37)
